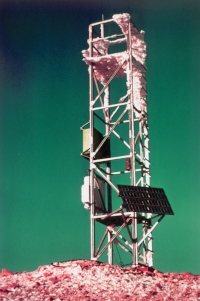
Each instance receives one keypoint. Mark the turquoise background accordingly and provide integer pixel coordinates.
(44, 93)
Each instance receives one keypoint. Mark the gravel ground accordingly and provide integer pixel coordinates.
(95, 281)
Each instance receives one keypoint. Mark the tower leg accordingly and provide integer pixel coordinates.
(134, 235)
(150, 245)
(108, 170)
(130, 85)
(92, 221)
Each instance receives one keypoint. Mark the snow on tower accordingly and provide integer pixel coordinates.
(142, 203)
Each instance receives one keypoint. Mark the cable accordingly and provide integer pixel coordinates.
(115, 258)
(121, 264)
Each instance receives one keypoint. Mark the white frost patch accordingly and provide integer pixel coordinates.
(104, 64)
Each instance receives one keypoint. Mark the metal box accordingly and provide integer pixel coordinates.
(99, 194)
(104, 151)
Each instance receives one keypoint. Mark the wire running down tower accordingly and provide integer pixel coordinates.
(125, 118)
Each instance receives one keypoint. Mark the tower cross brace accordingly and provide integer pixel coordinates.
(126, 119)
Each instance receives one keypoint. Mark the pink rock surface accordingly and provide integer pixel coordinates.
(90, 280)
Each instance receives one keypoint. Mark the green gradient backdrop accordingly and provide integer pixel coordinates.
(44, 101)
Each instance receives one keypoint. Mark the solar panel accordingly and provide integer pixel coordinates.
(144, 199)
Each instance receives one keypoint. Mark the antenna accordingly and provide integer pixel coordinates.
(141, 204)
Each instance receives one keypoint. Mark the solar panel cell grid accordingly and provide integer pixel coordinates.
(144, 199)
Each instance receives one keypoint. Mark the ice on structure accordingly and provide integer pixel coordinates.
(137, 37)
(104, 64)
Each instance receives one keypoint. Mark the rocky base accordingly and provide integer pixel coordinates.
(95, 281)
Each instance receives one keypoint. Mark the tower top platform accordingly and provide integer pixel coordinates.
(104, 63)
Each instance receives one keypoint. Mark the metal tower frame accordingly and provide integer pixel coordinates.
(104, 68)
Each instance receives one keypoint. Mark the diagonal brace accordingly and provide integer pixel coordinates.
(122, 246)
(149, 232)
(111, 213)
(113, 237)
(111, 130)
(111, 78)
(127, 226)
(118, 136)
(120, 236)
(109, 182)
(101, 100)
(101, 242)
